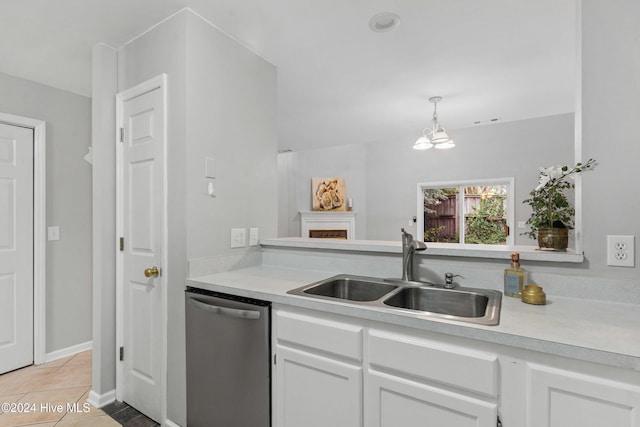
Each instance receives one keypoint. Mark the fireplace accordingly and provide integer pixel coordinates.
(328, 225)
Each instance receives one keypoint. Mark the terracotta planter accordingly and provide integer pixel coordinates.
(553, 238)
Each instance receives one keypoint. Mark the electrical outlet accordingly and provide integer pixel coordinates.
(253, 237)
(621, 251)
(238, 237)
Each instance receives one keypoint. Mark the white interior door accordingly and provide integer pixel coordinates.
(142, 225)
(16, 247)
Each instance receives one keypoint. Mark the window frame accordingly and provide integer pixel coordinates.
(509, 182)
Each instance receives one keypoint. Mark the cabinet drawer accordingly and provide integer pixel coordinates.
(328, 336)
(435, 361)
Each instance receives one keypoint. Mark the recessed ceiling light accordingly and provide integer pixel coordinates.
(385, 21)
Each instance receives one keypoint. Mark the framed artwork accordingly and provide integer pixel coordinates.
(327, 194)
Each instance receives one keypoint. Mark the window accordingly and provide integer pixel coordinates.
(466, 212)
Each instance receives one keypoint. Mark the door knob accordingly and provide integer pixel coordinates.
(151, 272)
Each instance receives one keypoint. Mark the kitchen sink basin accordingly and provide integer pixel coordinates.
(438, 300)
(346, 287)
(480, 306)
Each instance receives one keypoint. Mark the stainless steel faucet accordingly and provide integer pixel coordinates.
(409, 246)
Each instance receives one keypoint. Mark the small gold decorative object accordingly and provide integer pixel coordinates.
(532, 294)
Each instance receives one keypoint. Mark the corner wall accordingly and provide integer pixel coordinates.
(103, 134)
(221, 104)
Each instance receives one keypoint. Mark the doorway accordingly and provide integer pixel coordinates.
(22, 241)
(141, 289)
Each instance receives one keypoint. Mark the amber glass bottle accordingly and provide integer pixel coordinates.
(514, 277)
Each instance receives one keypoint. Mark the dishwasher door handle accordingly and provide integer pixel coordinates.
(233, 312)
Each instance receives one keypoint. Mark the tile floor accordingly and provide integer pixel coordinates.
(54, 394)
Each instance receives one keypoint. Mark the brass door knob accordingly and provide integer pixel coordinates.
(151, 272)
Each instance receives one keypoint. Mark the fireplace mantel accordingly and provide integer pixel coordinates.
(318, 220)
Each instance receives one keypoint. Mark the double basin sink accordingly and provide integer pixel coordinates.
(480, 306)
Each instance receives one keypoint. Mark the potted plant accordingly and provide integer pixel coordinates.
(552, 214)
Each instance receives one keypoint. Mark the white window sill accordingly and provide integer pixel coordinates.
(528, 253)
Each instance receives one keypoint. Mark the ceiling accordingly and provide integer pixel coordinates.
(338, 82)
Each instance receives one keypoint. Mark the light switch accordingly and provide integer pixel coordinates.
(238, 237)
(53, 232)
(209, 167)
(253, 237)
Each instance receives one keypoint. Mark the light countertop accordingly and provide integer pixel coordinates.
(601, 332)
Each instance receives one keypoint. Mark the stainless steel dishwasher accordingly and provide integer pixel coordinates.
(228, 360)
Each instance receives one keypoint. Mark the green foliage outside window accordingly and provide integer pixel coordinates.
(486, 224)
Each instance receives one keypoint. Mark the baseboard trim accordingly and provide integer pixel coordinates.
(169, 423)
(69, 351)
(100, 400)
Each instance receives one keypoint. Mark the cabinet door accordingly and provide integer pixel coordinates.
(315, 391)
(393, 401)
(560, 398)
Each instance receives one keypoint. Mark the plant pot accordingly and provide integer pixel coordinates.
(556, 239)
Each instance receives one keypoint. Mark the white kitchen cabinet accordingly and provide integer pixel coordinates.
(318, 371)
(316, 391)
(393, 401)
(563, 398)
(415, 381)
(335, 370)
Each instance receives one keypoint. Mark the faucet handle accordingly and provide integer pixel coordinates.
(406, 237)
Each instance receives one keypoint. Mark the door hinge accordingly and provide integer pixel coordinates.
(121, 134)
(122, 244)
(498, 422)
(274, 358)
(121, 354)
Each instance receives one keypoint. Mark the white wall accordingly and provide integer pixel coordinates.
(513, 149)
(231, 118)
(611, 131)
(68, 275)
(382, 177)
(220, 97)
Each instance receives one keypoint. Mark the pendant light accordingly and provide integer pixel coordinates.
(436, 136)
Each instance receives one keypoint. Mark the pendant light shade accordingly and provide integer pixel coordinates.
(439, 137)
(422, 143)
